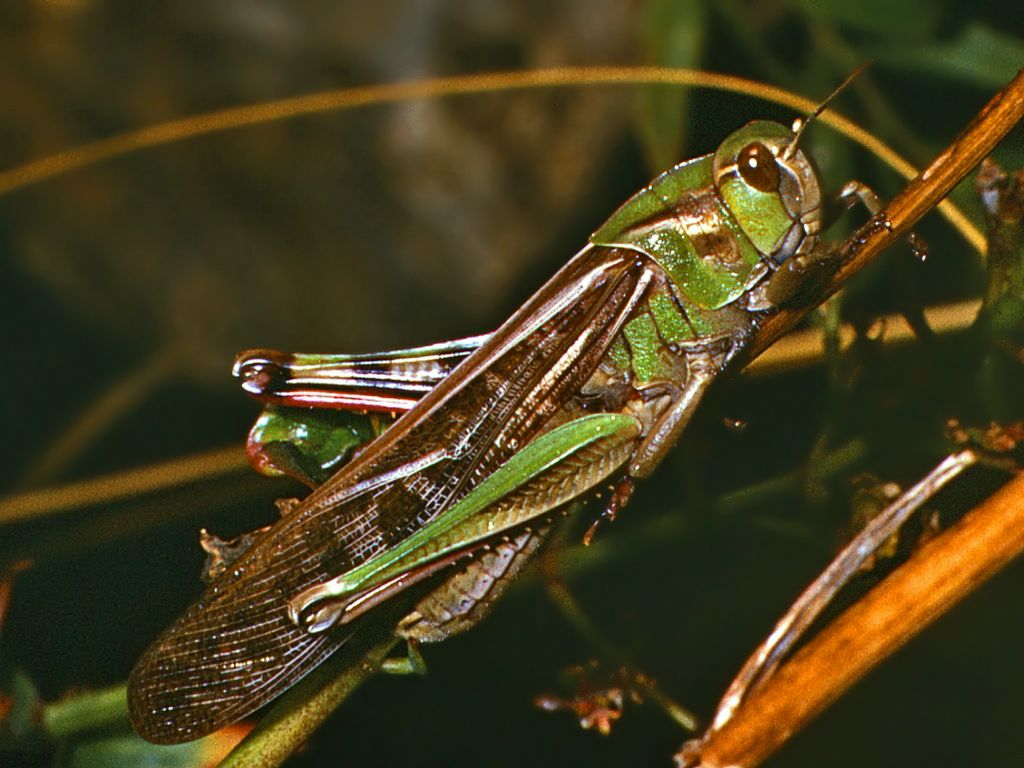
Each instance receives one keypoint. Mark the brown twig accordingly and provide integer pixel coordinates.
(101, 414)
(810, 605)
(119, 486)
(940, 574)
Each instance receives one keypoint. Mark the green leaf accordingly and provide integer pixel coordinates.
(1002, 197)
(903, 21)
(980, 56)
(130, 750)
(672, 34)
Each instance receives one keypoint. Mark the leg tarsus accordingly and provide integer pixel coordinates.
(854, 192)
(797, 274)
(411, 664)
(618, 499)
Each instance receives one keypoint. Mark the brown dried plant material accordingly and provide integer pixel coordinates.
(940, 574)
(597, 704)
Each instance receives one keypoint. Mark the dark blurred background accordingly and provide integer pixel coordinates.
(127, 288)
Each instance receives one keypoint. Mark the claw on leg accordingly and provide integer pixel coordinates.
(854, 192)
(618, 499)
(411, 664)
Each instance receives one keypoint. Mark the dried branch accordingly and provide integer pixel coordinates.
(73, 159)
(939, 575)
(119, 486)
(810, 605)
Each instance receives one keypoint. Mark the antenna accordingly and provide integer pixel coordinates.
(821, 108)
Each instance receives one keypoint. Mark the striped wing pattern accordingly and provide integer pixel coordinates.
(382, 381)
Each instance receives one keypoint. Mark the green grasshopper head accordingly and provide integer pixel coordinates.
(771, 188)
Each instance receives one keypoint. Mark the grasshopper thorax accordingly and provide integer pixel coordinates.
(771, 187)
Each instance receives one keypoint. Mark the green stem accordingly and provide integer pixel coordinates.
(291, 720)
(86, 712)
(757, 494)
(617, 656)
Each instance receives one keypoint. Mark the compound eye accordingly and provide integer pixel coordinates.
(757, 167)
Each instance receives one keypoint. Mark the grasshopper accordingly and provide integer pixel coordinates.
(587, 386)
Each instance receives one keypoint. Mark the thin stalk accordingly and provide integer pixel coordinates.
(87, 711)
(938, 576)
(614, 655)
(765, 660)
(119, 486)
(101, 414)
(161, 134)
(293, 718)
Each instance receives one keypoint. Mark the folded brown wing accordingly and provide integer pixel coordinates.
(235, 648)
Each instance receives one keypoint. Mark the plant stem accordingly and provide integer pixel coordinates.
(294, 716)
(939, 575)
(95, 709)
